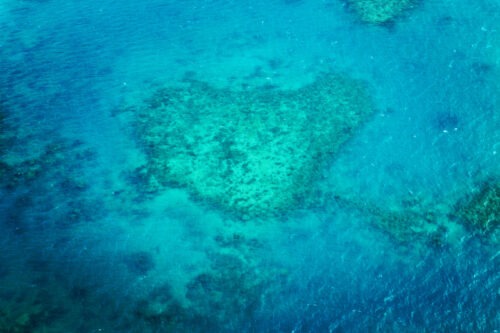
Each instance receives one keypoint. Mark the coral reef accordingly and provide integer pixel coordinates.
(22, 318)
(39, 167)
(233, 288)
(379, 11)
(409, 222)
(481, 210)
(45, 195)
(225, 295)
(254, 153)
(420, 220)
(33, 308)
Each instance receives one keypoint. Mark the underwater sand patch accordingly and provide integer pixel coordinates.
(379, 11)
(254, 153)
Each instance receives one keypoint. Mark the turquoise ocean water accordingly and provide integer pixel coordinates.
(394, 231)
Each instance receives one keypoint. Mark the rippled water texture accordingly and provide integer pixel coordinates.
(249, 166)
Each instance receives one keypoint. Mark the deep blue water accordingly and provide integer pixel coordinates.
(84, 248)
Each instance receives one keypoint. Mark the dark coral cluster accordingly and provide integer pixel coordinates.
(44, 193)
(380, 11)
(225, 295)
(480, 211)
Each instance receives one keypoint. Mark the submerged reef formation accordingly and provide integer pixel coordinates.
(379, 11)
(27, 310)
(254, 153)
(227, 294)
(41, 174)
(481, 210)
(44, 196)
(411, 222)
(419, 220)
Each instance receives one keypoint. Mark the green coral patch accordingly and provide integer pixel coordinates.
(379, 11)
(482, 211)
(255, 153)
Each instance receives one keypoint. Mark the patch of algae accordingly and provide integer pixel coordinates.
(254, 153)
(482, 210)
(379, 11)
